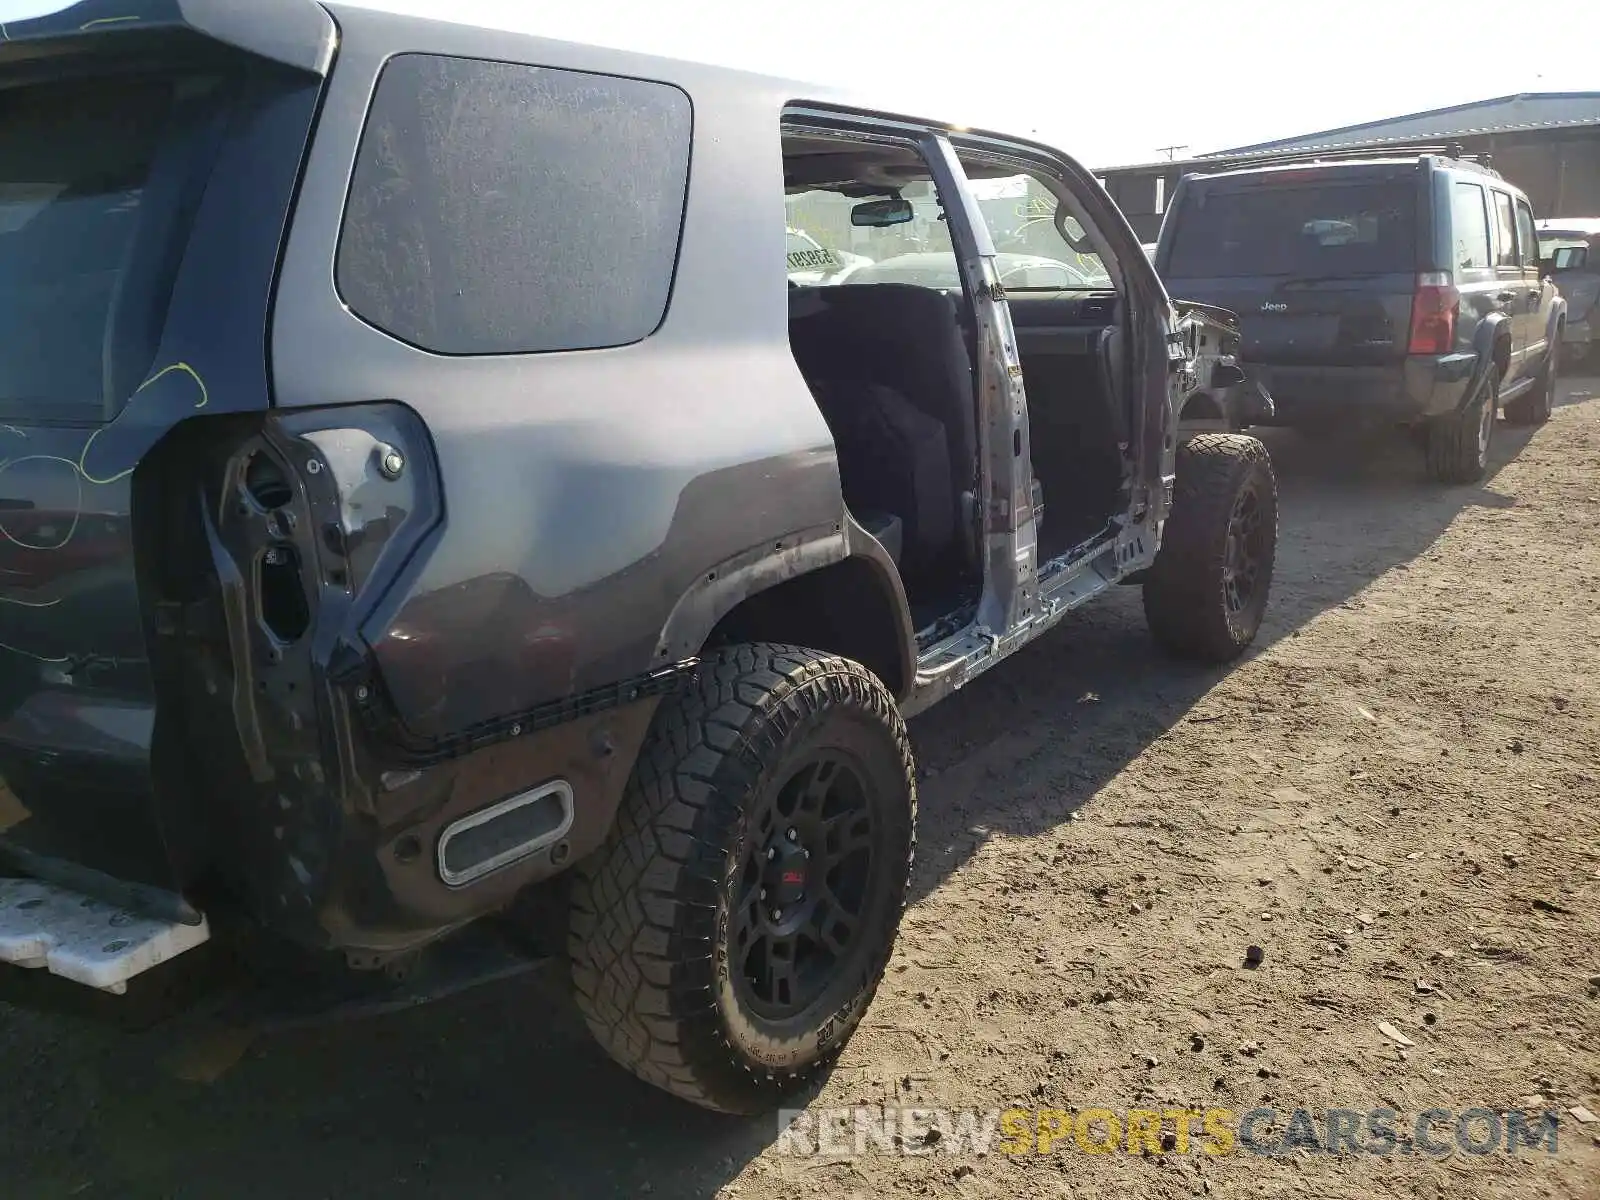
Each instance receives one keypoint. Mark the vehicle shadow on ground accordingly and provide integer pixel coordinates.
(1351, 509)
(500, 1092)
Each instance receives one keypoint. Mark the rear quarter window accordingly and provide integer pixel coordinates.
(497, 208)
(1469, 221)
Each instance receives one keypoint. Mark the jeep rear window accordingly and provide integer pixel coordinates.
(98, 179)
(506, 209)
(1284, 230)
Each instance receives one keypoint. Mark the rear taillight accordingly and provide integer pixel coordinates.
(1433, 314)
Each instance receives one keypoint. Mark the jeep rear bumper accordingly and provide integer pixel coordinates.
(1402, 393)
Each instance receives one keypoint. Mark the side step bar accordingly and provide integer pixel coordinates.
(43, 926)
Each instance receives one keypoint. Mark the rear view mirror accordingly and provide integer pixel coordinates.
(876, 214)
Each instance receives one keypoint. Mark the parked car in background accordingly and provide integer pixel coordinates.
(1569, 249)
(1394, 289)
(809, 261)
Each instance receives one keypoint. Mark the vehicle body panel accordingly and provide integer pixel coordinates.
(84, 746)
(560, 535)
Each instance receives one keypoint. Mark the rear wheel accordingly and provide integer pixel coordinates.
(1458, 445)
(1535, 405)
(727, 939)
(1207, 591)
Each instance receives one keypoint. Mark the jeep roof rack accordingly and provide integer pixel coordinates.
(1451, 150)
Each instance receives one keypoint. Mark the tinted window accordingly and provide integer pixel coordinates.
(97, 184)
(1505, 232)
(1526, 236)
(1470, 226)
(1292, 230)
(501, 209)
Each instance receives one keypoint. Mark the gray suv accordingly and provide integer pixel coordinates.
(1377, 289)
(431, 518)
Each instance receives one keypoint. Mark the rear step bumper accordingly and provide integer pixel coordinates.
(66, 933)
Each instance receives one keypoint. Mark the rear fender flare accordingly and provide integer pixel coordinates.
(1491, 343)
(724, 586)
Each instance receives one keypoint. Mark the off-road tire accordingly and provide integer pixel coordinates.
(1453, 451)
(1186, 594)
(1535, 406)
(652, 912)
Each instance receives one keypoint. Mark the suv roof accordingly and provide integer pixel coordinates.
(1367, 159)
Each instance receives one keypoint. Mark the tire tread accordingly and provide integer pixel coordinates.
(643, 907)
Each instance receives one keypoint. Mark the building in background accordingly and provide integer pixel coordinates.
(1547, 143)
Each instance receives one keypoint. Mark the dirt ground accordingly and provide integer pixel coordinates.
(1396, 796)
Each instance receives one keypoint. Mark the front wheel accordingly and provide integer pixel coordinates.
(1535, 406)
(727, 939)
(1207, 591)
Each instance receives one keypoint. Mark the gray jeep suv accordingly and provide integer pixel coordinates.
(429, 509)
(1389, 288)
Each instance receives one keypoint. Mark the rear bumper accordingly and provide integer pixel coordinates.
(1403, 393)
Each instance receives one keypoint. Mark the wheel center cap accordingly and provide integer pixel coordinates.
(787, 871)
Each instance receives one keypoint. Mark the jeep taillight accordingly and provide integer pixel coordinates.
(1433, 314)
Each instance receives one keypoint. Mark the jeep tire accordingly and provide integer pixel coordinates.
(1206, 593)
(1535, 405)
(728, 937)
(1457, 446)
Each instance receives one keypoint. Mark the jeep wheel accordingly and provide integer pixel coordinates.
(1207, 591)
(1535, 405)
(1458, 445)
(728, 937)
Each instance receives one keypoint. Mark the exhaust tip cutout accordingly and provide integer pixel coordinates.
(504, 833)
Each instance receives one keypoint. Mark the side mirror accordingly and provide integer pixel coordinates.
(879, 214)
(1547, 267)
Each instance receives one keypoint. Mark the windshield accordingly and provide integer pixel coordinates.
(1321, 231)
(824, 247)
(1035, 253)
(91, 192)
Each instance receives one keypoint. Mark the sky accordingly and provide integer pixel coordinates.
(1110, 83)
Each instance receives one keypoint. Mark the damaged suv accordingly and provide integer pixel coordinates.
(416, 526)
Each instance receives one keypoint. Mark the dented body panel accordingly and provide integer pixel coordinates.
(308, 594)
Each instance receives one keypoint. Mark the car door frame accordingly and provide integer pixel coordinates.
(1511, 291)
(1539, 291)
(1145, 313)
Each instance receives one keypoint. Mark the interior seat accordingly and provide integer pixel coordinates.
(894, 470)
(905, 338)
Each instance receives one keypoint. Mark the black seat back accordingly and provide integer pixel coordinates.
(903, 337)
